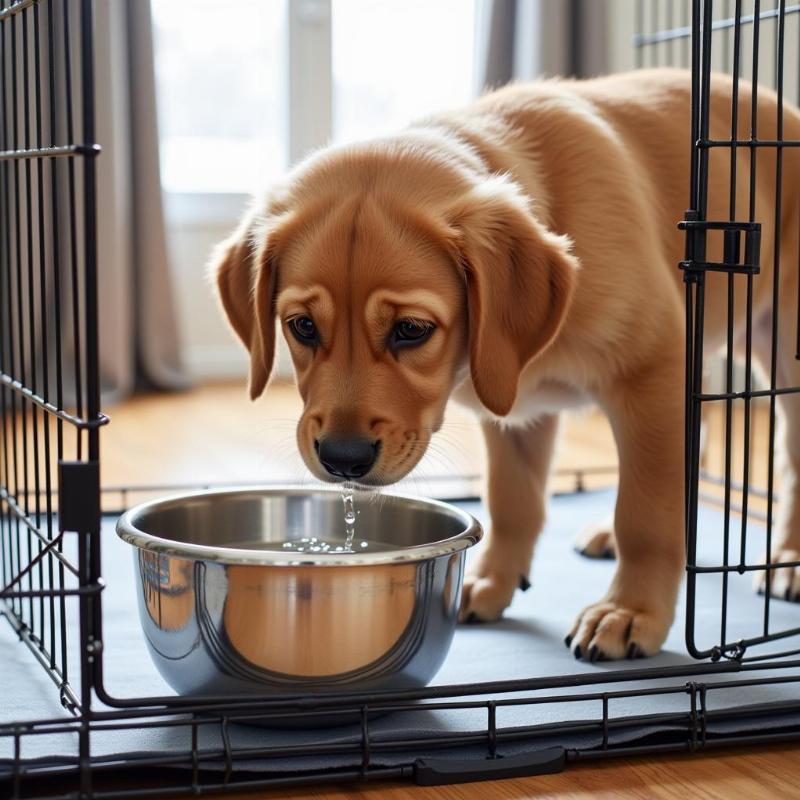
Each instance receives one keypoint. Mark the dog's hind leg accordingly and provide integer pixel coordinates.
(519, 463)
(785, 582)
(597, 540)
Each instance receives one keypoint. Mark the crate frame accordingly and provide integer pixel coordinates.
(50, 391)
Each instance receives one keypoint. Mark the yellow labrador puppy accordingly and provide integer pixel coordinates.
(519, 255)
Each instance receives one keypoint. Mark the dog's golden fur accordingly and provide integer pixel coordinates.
(536, 229)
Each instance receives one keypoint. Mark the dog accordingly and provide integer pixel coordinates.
(521, 256)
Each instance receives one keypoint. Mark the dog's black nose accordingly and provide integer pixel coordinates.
(347, 456)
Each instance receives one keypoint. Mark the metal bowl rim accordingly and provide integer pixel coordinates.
(127, 530)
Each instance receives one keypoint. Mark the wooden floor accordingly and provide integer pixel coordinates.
(770, 773)
(214, 434)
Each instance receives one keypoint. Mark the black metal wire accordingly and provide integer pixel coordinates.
(50, 406)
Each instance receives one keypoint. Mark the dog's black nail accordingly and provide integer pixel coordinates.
(471, 618)
(594, 653)
(577, 652)
(609, 554)
(632, 648)
(524, 583)
(568, 639)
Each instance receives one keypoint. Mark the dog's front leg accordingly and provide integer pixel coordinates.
(519, 463)
(636, 613)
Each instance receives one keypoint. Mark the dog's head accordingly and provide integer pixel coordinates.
(393, 277)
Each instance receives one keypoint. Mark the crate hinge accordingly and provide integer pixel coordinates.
(79, 496)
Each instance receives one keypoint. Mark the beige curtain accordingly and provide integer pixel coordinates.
(529, 39)
(139, 343)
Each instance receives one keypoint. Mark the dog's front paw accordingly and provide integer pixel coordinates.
(597, 541)
(785, 582)
(610, 630)
(487, 593)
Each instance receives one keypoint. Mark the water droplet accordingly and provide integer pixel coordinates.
(349, 516)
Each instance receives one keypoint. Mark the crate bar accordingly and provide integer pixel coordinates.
(52, 151)
(68, 697)
(15, 8)
(81, 423)
(19, 273)
(57, 267)
(26, 20)
(5, 212)
(685, 32)
(89, 541)
(77, 361)
(730, 323)
(695, 293)
(774, 144)
(43, 289)
(773, 369)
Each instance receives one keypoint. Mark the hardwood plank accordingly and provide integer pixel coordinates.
(723, 775)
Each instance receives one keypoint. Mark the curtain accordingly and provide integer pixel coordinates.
(41, 223)
(529, 39)
(139, 342)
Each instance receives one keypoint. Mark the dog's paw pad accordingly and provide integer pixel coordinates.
(610, 631)
(784, 582)
(597, 541)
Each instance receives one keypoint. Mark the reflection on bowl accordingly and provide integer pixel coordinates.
(229, 603)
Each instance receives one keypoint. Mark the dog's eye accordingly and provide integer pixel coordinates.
(304, 329)
(409, 333)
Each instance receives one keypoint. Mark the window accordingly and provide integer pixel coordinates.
(220, 94)
(243, 84)
(397, 60)
(223, 78)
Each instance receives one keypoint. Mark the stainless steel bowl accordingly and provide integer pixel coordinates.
(226, 608)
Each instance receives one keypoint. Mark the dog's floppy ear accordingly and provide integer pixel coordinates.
(244, 271)
(519, 277)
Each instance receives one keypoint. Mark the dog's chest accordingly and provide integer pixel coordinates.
(546, 397)
(533, 400)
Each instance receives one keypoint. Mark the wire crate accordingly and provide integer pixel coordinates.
(51, 498)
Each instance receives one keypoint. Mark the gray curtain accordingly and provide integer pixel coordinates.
(139, 342)
(138, 337)
(529, 39)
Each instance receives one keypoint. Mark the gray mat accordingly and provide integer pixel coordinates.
(527, 643)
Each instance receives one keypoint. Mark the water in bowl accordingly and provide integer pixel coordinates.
(319, 545)
(315, 545)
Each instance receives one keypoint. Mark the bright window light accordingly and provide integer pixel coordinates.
(398, 60)
(223, 84)
(220, 80)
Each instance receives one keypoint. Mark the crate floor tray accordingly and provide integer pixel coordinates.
(526, 644)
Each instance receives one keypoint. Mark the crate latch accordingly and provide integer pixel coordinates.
(733, 259)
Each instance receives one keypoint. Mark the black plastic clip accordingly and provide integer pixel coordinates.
(696, 235)
(78, 496)
(440, 771)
